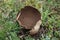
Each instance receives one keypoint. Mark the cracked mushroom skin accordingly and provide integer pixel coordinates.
(29, 18)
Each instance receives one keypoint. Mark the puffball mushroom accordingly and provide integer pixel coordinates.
(29, 18)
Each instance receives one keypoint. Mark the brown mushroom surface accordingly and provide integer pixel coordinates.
(28, 17)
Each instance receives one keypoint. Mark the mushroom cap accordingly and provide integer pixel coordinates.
(28, 17)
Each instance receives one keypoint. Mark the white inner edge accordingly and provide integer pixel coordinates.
(36, 28)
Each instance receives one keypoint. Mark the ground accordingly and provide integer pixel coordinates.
(50, 12)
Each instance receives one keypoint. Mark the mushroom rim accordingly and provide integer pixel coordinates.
(19, 13)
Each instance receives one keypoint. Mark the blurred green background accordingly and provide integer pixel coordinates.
(50, 11)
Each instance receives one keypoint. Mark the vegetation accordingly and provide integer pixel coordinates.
(50, 11)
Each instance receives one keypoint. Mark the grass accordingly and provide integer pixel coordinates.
(50, 11)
